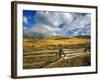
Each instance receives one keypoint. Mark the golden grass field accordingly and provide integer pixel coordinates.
(52, 43)
(41, 60)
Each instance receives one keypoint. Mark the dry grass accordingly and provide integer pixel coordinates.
(52, 43)
(40, 62)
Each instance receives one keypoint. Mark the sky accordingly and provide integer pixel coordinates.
(50, 23)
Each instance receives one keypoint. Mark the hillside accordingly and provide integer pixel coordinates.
(52, 43)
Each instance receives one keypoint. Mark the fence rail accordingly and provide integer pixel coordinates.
(49, 59)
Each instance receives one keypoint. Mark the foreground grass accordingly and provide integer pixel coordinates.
(43, 61)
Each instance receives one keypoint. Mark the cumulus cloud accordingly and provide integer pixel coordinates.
(48, 22)
(66, 18)
(25, 19)
(48, 30)
(82, 21)
(48, 18)
(51, 23)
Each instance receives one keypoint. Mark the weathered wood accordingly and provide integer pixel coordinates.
(68, 58)
(44, 60)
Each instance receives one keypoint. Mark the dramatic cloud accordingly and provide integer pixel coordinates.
(81, 21)
(48, 30)
(61, 24)
(48, 22)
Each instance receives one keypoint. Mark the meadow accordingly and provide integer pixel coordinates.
(52, 43)
(40, 52)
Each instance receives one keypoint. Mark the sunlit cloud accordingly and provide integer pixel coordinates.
(25, 19)
(61, 24)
